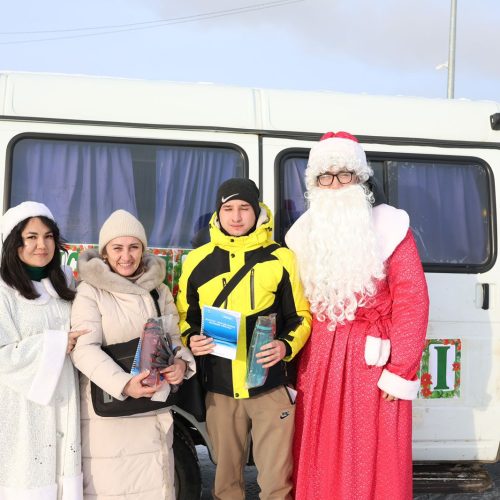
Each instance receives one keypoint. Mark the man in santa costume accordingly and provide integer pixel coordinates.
(357, 375)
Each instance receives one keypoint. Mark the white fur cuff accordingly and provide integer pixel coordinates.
(73, 488)
(40, 493)
(50, 366)
(398, 386)
(385, 351)
(377, 351)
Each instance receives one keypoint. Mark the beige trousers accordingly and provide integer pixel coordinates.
(270, 419)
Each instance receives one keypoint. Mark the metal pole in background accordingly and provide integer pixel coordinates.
(451, 50)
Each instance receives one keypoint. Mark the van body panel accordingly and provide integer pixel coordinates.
(122, 100)
(379, 115)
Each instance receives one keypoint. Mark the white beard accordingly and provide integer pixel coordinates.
(342, 264)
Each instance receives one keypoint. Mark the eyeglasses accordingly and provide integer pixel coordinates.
(327, 178)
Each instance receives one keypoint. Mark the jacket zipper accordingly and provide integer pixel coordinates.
(224, 286)
(252, 297)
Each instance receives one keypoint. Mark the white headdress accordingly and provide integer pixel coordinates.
(335, 152)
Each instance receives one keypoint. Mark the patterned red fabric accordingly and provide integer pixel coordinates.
(350, 444)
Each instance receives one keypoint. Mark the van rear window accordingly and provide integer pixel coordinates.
(449, 203)
(171, 188)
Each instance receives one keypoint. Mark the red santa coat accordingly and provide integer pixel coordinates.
(349, 442)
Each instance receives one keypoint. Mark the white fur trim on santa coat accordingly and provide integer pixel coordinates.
(390, 225)
(385, 350)
(377, 351)
(49, 370)
(295, 238)
(398, 386)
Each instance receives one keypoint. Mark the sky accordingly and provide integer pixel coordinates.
(389, 47)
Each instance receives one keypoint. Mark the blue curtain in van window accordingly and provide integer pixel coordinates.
(292, 200)
(81, 183)
(186, 184)
(448, 209)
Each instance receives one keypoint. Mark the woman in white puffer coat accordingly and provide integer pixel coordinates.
(123, 457)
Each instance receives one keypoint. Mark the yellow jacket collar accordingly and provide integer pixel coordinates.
(255, 239)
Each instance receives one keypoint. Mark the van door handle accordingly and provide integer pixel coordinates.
(486, 296)
(485, 293)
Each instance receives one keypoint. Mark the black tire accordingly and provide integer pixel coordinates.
(188, 484)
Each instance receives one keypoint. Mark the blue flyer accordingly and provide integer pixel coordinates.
(223, 325)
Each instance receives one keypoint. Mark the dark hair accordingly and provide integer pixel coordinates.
(377, 191)
(13, 272)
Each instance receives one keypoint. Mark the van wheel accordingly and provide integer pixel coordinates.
(187, 466)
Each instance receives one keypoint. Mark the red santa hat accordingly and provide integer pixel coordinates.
(335, 152)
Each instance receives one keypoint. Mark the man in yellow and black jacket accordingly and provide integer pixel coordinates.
(239, 228)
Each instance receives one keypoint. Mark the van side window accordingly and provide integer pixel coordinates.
(449, 204)
(170, 188)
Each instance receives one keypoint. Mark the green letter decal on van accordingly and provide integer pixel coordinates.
(440, 364)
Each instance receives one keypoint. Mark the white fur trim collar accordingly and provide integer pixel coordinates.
(391, 225)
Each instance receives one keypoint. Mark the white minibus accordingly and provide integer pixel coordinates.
(86, 146)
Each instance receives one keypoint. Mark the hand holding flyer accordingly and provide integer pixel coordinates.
(223, 326)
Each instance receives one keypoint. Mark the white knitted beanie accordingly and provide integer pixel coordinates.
(335, 152)
(121, 223)
(23, 211)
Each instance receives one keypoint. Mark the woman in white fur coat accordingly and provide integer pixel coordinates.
(123, 457)
(39, 424)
